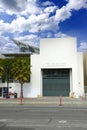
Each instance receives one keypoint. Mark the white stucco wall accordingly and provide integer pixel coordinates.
(58, 53)
(26, 89)
(15, 87)
(80, 88)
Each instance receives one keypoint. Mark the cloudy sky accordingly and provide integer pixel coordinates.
(30, 20)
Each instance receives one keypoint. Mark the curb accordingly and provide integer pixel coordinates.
(49, 103)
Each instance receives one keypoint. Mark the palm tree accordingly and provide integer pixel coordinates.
(1, 72)
(1, 68)
(21, 71)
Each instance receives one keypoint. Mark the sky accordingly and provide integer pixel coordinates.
(30, 20)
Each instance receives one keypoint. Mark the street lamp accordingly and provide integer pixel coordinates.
(0, 86)
(7, 77)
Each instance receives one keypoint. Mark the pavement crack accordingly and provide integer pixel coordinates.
(2, 124)
(50, 120)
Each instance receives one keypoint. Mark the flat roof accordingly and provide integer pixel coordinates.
(32, 48)
(18, 54)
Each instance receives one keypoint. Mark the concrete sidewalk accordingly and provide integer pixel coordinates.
(46, 101)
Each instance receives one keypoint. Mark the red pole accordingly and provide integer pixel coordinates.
(83, 98)
(60, 103)
(20, 100)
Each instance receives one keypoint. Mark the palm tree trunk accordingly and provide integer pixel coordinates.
(21, 93)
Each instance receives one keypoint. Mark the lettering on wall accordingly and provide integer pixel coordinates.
(56, 64)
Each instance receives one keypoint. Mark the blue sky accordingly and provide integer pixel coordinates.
(30, 20)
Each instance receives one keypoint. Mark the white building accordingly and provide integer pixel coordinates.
(58, 69)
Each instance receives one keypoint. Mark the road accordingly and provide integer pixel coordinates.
(31, 117)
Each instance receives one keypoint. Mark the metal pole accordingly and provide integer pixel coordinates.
(7, 69)
(60, 102)
(21, 100)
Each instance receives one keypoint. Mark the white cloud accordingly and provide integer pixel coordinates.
(19, 7)
(4, 27)
(42, 17)
(47, 3)
(76, 4)
(31, 8)
(65, 12)
(6, 45)
(32, 18)
(50, 9)
(36, 22)
(31, 0)
(62, 14)
(60, 34)
(9, 48)
(21, 24)
(18, 25)
(29, 39)
(31, 23)
(13, 6)
(50, 24)
(49, 34)
(83, 46)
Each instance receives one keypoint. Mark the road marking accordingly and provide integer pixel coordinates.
(62, 121)
(2, 120)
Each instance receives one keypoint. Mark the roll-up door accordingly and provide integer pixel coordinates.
(56, 82)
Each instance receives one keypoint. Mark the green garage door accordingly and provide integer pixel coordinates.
(56, 82)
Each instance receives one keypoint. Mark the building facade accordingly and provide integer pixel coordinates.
(85, 70)
(58, 69)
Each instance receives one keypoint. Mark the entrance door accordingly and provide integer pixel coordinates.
(0, 92)
(5, 89)
(56, 82)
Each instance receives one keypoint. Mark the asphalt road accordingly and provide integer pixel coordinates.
(29, 117)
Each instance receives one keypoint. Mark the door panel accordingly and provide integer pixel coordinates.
(56, 82)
